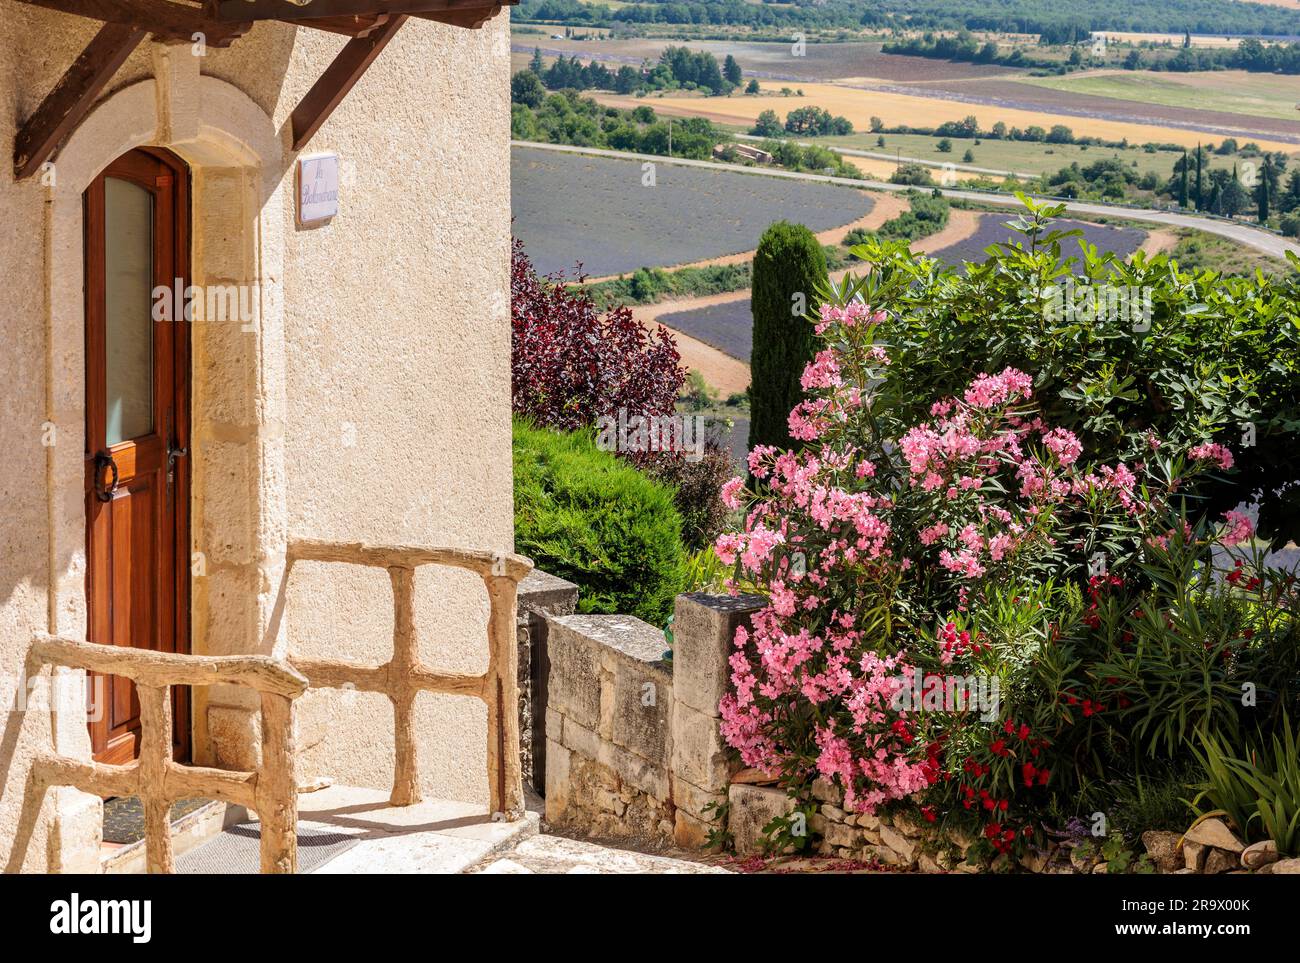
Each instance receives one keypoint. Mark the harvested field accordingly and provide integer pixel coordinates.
(1159, 103)
(571, 207)
(775, 61)
(728, 325)
(920, 107)
(1018, 155)
(1229, 92)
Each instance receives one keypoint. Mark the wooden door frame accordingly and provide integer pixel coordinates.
(177, 429)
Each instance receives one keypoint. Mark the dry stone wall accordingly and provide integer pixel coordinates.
(632, 741)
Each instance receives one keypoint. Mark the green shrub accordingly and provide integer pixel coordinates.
(1260, 791)
(789, 266)
(696, 486)
(585, 515)
(1217, 359)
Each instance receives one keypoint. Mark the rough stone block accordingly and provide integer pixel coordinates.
(752, 808)
(554, 725)
(636, 771)
(694, 800)
(837, 834)
(703, 629)
(557, 781)
(581, 740)
(698, 753)
(640, 703)
(235, 735)
(689, 832)
(548, 594)
(574, 685)
(897, 842)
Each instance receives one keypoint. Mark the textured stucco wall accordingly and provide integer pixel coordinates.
(383, 402)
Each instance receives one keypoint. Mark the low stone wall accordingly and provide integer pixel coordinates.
(540, 595)
(891, 839)
(903, 840)
(632, 741)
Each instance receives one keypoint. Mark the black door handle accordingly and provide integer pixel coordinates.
(102, 461)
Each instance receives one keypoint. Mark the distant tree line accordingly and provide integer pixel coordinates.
(678, 67)
(1040, 17)
(1249, 54)
(568, 118)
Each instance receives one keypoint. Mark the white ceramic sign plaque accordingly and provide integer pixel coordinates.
(318, 188)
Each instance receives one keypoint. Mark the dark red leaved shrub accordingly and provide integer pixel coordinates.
(570, 365)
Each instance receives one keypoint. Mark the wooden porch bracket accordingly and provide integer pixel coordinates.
(72, 97)
(339, 78)
(162, 18)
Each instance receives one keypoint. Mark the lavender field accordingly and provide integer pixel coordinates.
(728, 326)
(571, 208)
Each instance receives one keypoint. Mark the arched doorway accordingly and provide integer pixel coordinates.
(137, 478)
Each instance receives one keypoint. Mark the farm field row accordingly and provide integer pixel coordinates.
(603, 212)
(895, 109)
(1023, 156)
(773, 61)
(1225, 91)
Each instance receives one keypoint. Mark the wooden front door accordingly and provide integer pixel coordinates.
(137, 433)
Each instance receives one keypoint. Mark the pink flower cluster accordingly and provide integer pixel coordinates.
(1213, 452)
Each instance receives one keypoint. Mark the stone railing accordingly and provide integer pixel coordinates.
(403, 677)
(155, 777)
(632, 742)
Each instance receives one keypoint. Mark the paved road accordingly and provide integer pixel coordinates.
(1251, 237)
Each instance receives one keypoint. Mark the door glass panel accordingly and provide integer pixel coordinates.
(128, 325)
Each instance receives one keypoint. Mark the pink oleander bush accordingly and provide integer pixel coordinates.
(979, 542)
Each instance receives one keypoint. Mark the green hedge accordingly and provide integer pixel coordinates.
(587, 516)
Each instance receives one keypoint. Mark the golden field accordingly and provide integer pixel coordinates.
(859, 106)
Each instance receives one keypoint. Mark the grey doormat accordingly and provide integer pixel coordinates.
(235, 850)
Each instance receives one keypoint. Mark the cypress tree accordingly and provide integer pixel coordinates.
(1182, 183)
(1263, 193)
(1200, 190)
(537, 65)
(788, 266)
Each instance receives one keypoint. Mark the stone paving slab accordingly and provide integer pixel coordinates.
(558, 854)
(435, 836)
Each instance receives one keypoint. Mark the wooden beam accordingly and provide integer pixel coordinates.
(159, 17)
(232, 10)
(339, 78)
(469, 19)
(72, 97)
(351, 26)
